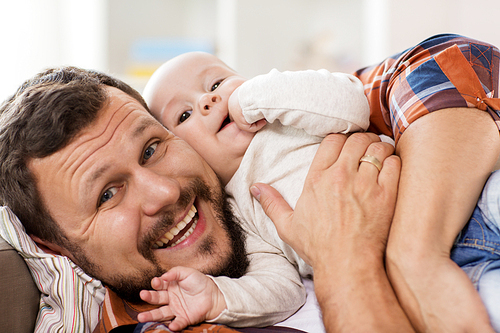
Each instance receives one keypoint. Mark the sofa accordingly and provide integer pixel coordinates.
(20, 297)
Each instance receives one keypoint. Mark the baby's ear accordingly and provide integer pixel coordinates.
(48, 247)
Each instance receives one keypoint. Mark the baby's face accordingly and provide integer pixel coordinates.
(189, 95)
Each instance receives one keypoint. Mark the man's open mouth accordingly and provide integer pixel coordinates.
(224, 123)
(179, 232)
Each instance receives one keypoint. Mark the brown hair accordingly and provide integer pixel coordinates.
(41, 118)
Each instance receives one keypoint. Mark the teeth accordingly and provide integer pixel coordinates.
(186, 235)
(169, 235)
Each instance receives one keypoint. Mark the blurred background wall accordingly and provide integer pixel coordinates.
(130, 38)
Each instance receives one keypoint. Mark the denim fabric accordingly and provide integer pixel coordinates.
(477, 248)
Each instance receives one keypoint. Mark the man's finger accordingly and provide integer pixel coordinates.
(389, 175)
(328, 152)
(355, 147)
(274, 206)
(374, 158)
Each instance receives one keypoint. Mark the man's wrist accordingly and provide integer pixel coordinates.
(356, 296)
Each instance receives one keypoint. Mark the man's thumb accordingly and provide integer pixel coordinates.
(273, 205)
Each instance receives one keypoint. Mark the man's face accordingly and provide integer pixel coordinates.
(190, 95)
(133, 199)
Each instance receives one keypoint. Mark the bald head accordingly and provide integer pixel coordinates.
(177, 69)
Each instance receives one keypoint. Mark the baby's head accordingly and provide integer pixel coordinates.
(189, 95)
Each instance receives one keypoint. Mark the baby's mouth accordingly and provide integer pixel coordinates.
(179, 232)
(224, 123)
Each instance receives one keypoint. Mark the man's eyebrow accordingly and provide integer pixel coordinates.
(89, 184)
(136, 132)
(143, 125)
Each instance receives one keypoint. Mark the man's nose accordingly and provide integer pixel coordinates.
(157, 192)
(208, 101)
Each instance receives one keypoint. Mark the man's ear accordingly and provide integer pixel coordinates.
(48, 247)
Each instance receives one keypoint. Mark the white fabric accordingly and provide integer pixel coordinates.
(70, 299)
(319, 102)
(280, 155)
(308, 318)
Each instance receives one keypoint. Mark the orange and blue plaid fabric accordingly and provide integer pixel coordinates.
(444, 71)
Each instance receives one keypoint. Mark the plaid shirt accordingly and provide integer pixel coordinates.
(444, 71)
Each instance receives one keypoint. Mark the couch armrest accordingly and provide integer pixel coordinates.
(19, 297)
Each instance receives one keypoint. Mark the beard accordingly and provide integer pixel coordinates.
(233, 264)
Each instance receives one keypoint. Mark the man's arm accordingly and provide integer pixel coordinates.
(340, 226)
(446, 158)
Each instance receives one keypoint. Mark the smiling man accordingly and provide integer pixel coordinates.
(93, 176)
(108, 186)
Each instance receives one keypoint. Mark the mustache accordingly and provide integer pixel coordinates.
(197, 188)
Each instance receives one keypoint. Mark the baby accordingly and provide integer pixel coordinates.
(266, 129)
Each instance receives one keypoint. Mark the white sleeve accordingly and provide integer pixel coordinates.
(320, 102)
(268, 293)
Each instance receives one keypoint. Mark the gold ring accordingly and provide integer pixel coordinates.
(372, 160)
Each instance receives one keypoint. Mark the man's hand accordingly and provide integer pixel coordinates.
(340, 226)
(188, 297)
(236, 115)
(341, 198)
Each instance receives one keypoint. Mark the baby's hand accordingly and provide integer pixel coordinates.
(236, 115)
(188, 297)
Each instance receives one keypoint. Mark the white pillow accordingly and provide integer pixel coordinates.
(70, 299)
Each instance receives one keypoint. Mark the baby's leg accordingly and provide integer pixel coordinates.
(489, 290)
(477, 248)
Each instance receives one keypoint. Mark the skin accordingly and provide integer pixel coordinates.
(447, 157)
(132, 163)
(190, 95)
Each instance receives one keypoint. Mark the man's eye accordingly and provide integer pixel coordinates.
(215, 86)
(110, 192)
(150, 151)
(184, 116)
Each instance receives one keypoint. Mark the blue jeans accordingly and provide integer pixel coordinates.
(477, 248)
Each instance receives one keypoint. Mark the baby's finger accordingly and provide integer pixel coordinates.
(159, 283)
(163, 313)
(178, 324)
(257, 125)
(154, 297)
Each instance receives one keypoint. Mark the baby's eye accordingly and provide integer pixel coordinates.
(185, 115)
(150, 151)
(110, 192)
(215, 86)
